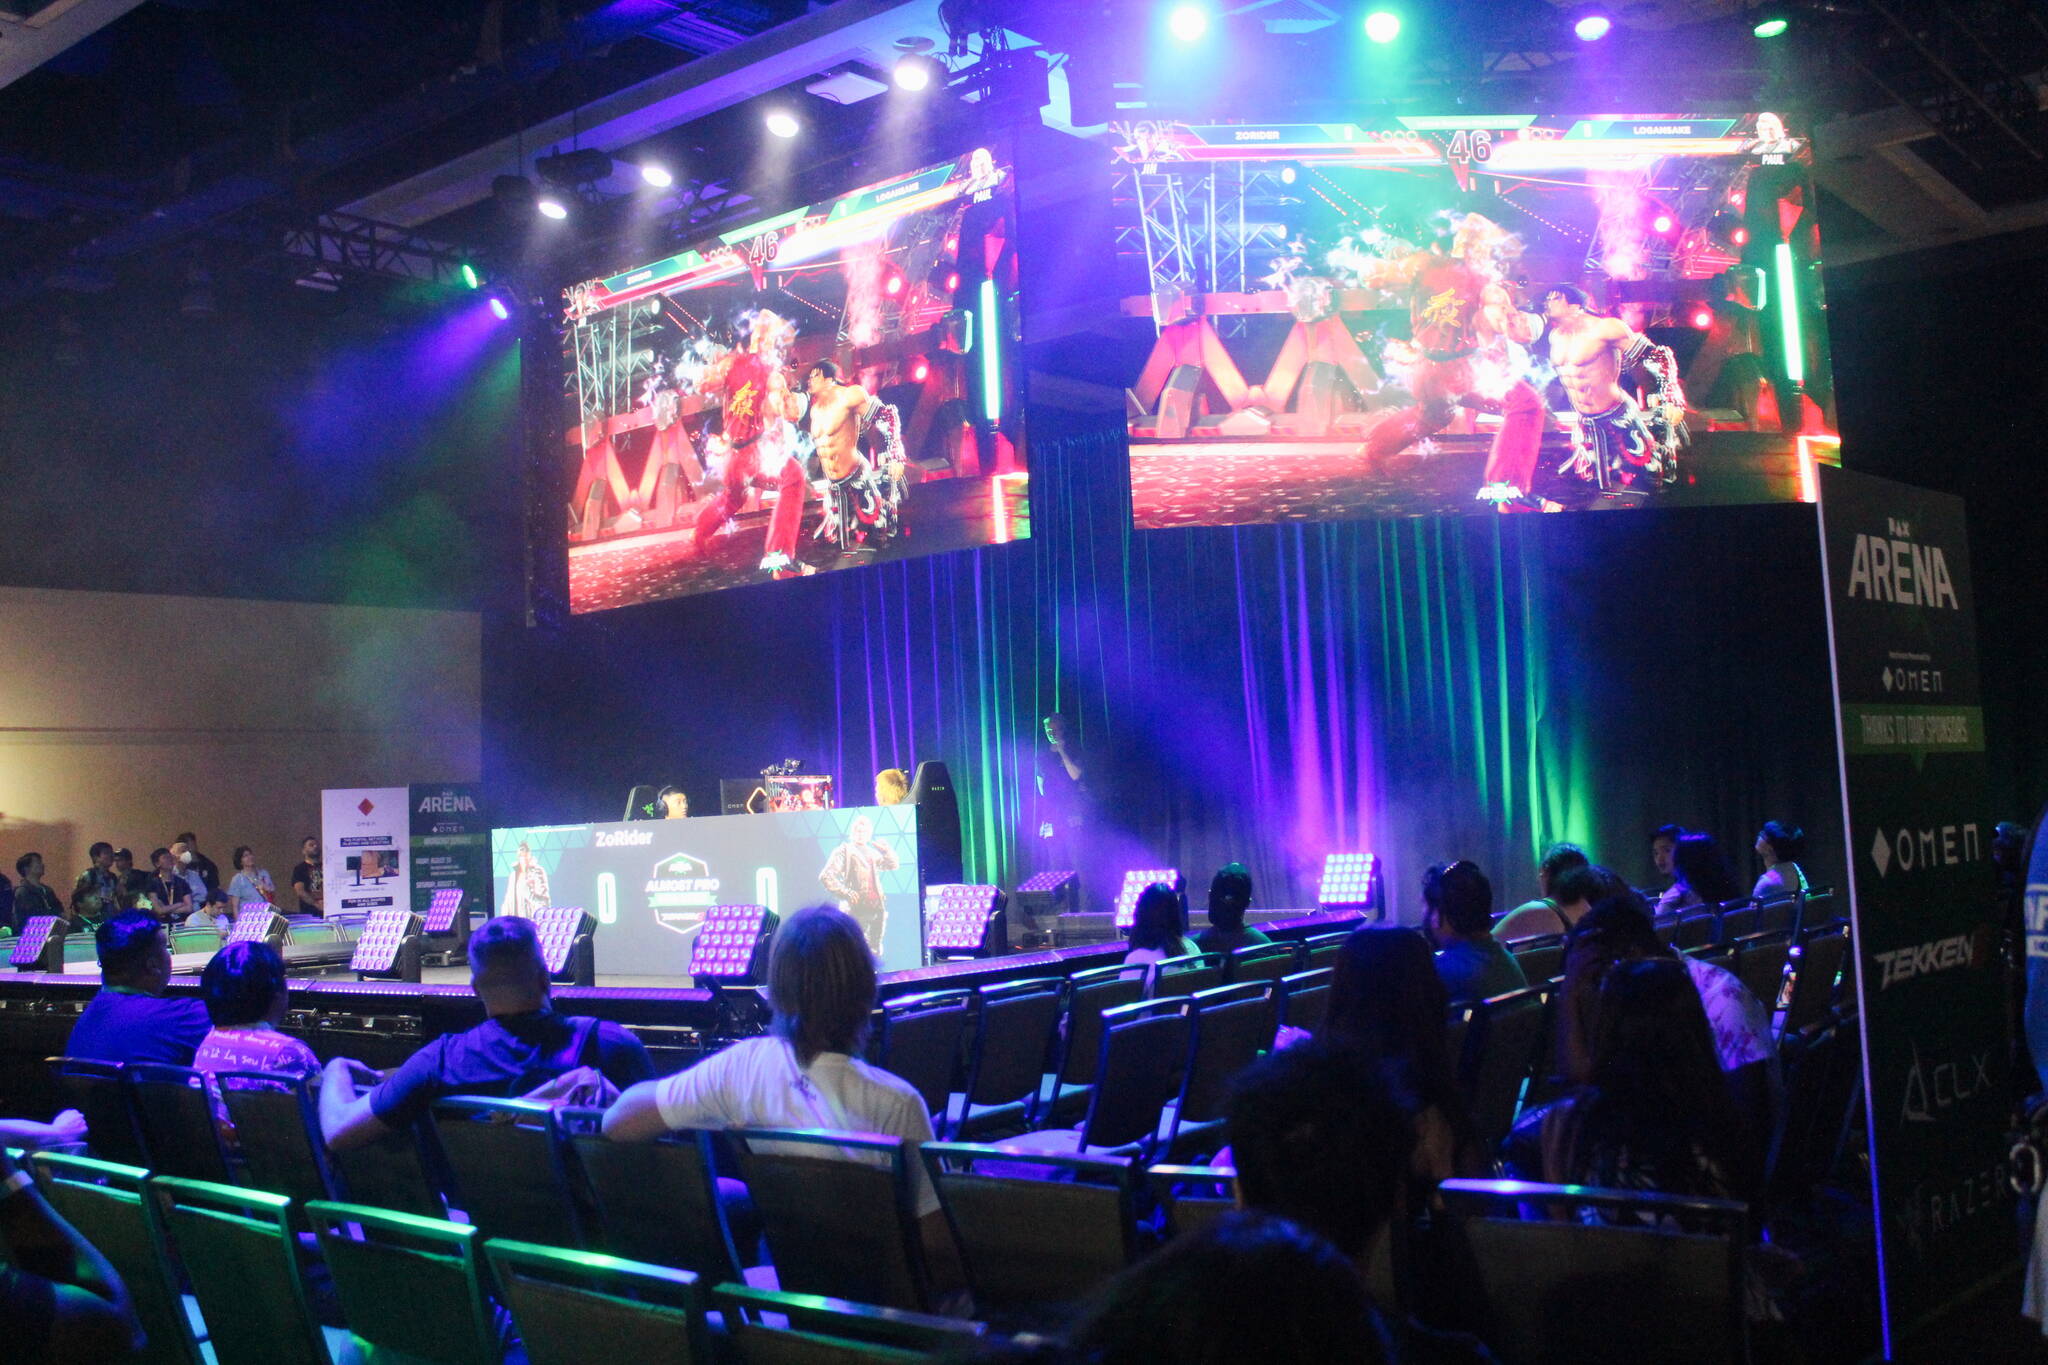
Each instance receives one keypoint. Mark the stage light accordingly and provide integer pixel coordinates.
(383, 939)
(782, 123)
(914, 71)
(32, 946)
(1771, 26)
(1591, 28)
(1661, 223)
(470, 278)
(952, 281)
(1383, 26)
(1135, 882)
(920, 370)
(894, 286)
(256, 926)
(585, 166)
(1739, 236)
(1351, 881)
(560, 928)
(551, 207)
(441, 909)
(963, 921)
(498, 309)
(731, 943)
(1188, 22)
(1701, 317)
(656, 176)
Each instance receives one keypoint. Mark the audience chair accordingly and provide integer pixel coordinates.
(656, 1202)
(1739, 919)
(1189, 974)
(1501, 1043)
(399, 1172)
(1541, 959)
(173, 1108)
(1262, 962)
(1720, 954)
(1782, 913)
(408, 1285)
(278, 1127)
(578, 1308)
(1815, 966)
(1142, 1074)
(97, 1090)
(1822, 1084)
(920, 1039)
(1760, 960)
(1013, 1030)
(1089, 993)
(1631, 1286)
(837, 1212)
(503, 1156)
(1696, 929)
(105, 1203)
(1192, 1197)
(1321, 950)
(1667, 932)
(239, 1251)
(1033, 1241)
(1233, 1025)
(1305, 998)
(766, 1327)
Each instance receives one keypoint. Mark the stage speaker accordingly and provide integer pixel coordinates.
(938, 824)
(1177, 402)
(643, 803)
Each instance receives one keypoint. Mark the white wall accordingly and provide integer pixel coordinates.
(128, 718)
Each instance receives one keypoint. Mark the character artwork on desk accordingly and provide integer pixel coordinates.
(825, 388)
(1442, 315)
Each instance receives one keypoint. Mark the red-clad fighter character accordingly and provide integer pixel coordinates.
(1615, 442)
(1464, 351)
(757, 401)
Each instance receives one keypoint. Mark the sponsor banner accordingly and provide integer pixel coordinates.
(647, 883)
(450, 843)
(1902, 623)
(364, 833)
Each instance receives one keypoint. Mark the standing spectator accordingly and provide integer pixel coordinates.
(96, 895)
(33, 897)
(168, 889)
(252, 888)
(1781, 847)
(1702, 876)
(1230, 895)
(307, 877)
(1457, 915)
(60, 1302)
(181, 863)
(129, 1020)
(1557, 860)
(6, 902)
(133, 881)
(198, 861)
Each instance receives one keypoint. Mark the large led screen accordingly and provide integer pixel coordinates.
(825, 388)
(1427, 316)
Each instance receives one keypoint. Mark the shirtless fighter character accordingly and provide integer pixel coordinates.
(1464, 328)
(864, 500)
(1614, 441)
(757, 399)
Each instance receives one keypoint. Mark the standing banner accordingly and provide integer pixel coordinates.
(363, 836)
(450, 845)
(1922, 897)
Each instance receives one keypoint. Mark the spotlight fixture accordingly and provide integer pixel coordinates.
(656, 176)
(1188, 22)
(1771, 25)
(915, 71)
(551, 207)
(782, 123)
(498, 308)
(1661, 223)
(1383, 26)
(585, 166)
(470, 279)
(1591, 28)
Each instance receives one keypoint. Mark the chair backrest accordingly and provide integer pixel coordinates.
(1262, 961)
(240, 1255)
(1540, 960)
(1661, 1294)
(1192, 1197)
(1740, 919)
(656, 1202)
(502, 1155)
(1188, 974)
(1031, 1242)
(1305, 998)
(279, 1131)
(572, 1307)
(1089, 993)
(104, 1202)
(1695, 929)
(835, 1209)
(1143, 1069)
(1321, 950)
(1667, 931)
(1501, 1044)
(393, 1173)
(1760, 960)
(97, 1090)
(1013, 1027)
(408, 1284)
(1232, 1026)
(1782, 913)
(174, 1109)
(768, 1327)
(1821, 1074)
(921, 1041)
(1814, 970)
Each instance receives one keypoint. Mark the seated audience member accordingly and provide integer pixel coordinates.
(34, 896)
(134, 883)
(1230, 895)
(807, 1073)
(129, 1020)
(1388, 1003)
(168, 891)
(1781, 847)
(244, 990)
(1156, 928)
(1702, 876)
(1573, 892)
(1457, 915)
(60, 1302)
(65, 1130)
(1663, 848)
(251, 887)
(96, 895)
(1650, 1114)
(215, 911)
(522, 1045)
(1557, 860)
(1250, 1287)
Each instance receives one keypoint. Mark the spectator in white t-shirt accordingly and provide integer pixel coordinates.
(807, 1073)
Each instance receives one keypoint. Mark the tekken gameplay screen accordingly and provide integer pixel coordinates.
(1471, 314)
(826, 388)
